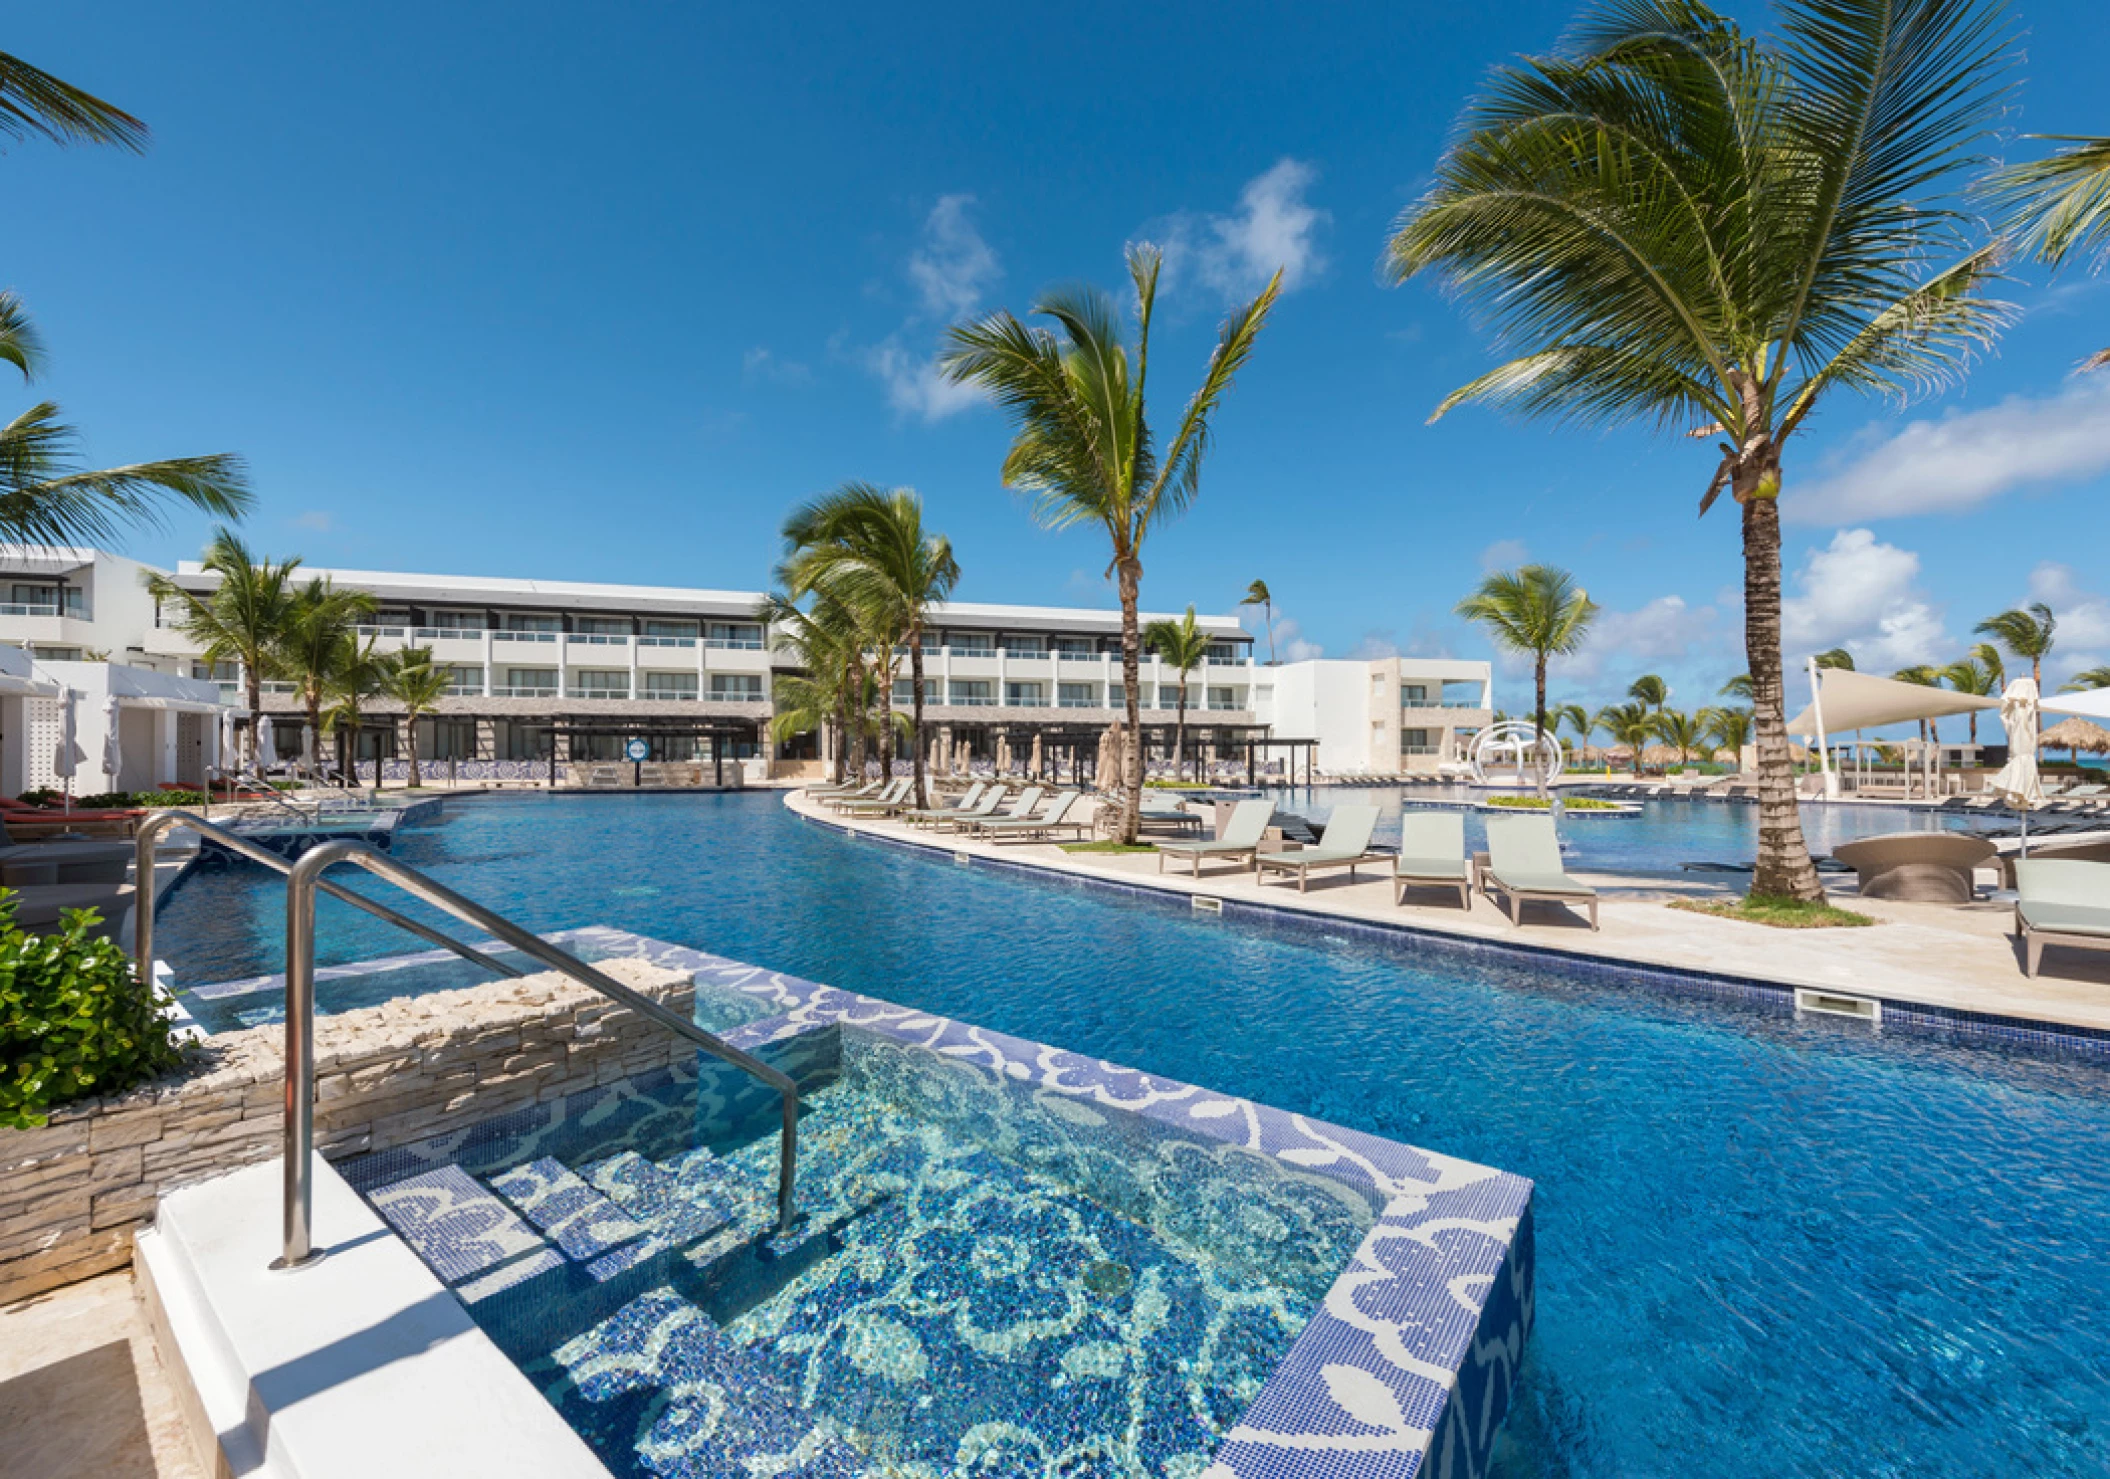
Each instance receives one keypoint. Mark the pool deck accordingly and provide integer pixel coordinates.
(1958, 958)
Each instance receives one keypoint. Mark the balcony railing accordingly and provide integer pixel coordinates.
(1078, 703)
(968, 651)
(598, 639)
(514, 691)
(1078, 656)
(576, 691)
(32, 608)
(720, 696)
(740, 644)
(670, 695)
(510, 636)
(667, 642)
(1421, 749)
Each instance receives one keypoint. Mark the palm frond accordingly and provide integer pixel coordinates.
(19, 344)
(2060, 204)
(33, 103)
(45, 498)
(1179, 479)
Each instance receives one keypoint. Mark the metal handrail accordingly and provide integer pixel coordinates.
(298, 1247)
(143, 911)
(257, 783)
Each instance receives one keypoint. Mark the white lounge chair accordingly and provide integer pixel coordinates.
(1346, 844)
(1524, 863)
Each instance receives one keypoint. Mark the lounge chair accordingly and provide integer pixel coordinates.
(1432, 855)
(1345, 844)
(62, 860)
(847, 788)
(1020, 810)
(939, 813)
(896, 794)
(1241, 838)
(1524, 863)
(1156, 813)
(1924, 867)
(1047, 824)
(960, 821)
(869, 790)
(2060, 901)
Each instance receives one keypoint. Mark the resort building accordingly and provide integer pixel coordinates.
(1385, 716)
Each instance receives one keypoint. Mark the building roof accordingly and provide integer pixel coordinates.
(974, 614)
(490, 590)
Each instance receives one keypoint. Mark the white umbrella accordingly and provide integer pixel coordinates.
(67, 759)
(113, 754)
(262, 744)
(307, 748)
(230, 742)
(2017, 782)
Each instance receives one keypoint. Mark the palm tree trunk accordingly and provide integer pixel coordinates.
(1538, 717)
(1179, 733)
(1130, 580)
(254, 684)
(886, 716)
(915, 727)
(1784, 868)
(410, 722)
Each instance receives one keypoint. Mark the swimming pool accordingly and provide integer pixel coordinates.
(1766, 1246)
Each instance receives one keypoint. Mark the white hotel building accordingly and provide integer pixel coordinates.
(556, 674)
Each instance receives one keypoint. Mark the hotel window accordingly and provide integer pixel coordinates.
(1075, 696)
(670, 685)
(446, 739)
(600, 685)
(217, 672)
(458, 621)
(683, 632)
(74, 601)
(1416, 742)
(904, 692)
(518, 741)
(602, 626)
(534, 624)
(1465, 695)
(466, 678)
(1169, 696)
(1024, 696)
(390, 616)
(1223, 698)
(55, 654)
(1117, 695)
(1072, 648)
(968, 692)
(970, 644)
(1416, 696)
(734, 634)
(742, 686)
(41, 596)
(531, 682)
(1022, 645)
(1223, 652)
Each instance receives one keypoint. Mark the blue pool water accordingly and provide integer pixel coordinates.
(1766, 1247)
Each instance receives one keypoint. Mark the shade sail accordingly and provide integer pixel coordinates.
(2093, 704)
(1852, 700)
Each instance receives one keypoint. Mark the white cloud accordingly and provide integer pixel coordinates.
(2082, 639)
(1375, 643)
(1863, 595)
(954, 266)
(1273, 227)
(760, 363)
(1290, 646)
(1503, 554)
(1661, 632)
(916, 386)
(1956, 462)
(319, 520)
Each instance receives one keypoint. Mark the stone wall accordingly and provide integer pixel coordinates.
(73, 1192)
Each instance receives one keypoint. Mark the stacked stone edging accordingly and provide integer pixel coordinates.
(73, 1193)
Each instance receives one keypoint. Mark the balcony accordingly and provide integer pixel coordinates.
(672, 642)
(577, 692)
(21, 608)
(525, 636)
(597, 639)
(670, 695)
(1078, 656)
(1079, 703)
(515, 692)
(735, 644)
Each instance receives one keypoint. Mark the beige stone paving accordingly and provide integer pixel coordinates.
(83, 1391)
(1960, 957)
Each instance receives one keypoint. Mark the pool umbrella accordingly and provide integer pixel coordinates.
(2017, 782)
(113, 754)
(261, 745)
(2074, 736)
(1104, 765)
(230, 742)
(1033, 765)
(69, 755)
(307, 747)
(1003, 754)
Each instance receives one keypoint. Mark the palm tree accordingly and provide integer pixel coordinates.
(1682, 731)
(411, 680)
(1835, 657)
(1690, 225)
(1729, 729)
(240, 620)
(2086, 679)
(1977, 672)
(1737, 687)
(48, 497)
(1537, 609)
(1181, 645)
(36, 104)
(356, 674)
(1631, 725)
(317, 639)
(2062, 206)
(1084, 447)
(2025, 634)
(1650, 691)
(1257, 594)
(827, 649)
(869, 545)
(1923, 675)
(1574, 717)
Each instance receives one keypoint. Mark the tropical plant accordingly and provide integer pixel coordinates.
(1923, 675)
(1650, 691)
(1687, 224)
(410, 678)
(1573, 717)
(826, 686)
(1978, 673)
(2087, 679)
(74, 1020)
(48, 497)
(1630, 724)
(869, 547)
(355, 674)
(34, 103)
(1084, 448)
(240, 620)
(1183, 646)
(317, 637)
(2025, 633)
(1728, 729)
(1257, 594)
(1683, 732)
(1835, 657)
(1737, 687)
(1535, 609)
(2062, 206)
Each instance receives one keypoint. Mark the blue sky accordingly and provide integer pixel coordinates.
(600, 293)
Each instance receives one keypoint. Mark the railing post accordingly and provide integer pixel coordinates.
(298, 1146)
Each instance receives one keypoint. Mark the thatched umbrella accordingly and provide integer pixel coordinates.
(1033, 765)
(1003, 754)
(2074, 736)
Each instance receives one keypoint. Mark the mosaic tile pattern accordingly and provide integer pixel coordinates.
(571, 1214)
(453, 1222)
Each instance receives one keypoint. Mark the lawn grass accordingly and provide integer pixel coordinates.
(1779, 912)
(1107, 845)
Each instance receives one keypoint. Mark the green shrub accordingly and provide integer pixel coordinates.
(73, 1022)
(42, 796)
